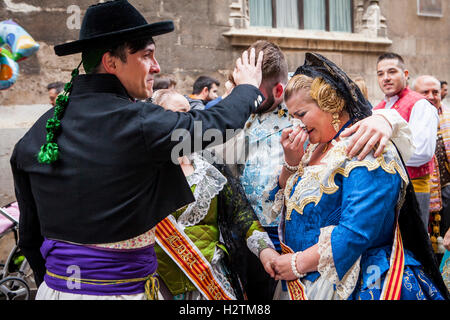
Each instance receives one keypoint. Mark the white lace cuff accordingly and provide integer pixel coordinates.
(327, 268)
(259, 241)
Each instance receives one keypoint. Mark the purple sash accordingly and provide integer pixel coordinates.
(70, 262)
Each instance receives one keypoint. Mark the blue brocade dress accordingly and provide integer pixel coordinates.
(348, 207)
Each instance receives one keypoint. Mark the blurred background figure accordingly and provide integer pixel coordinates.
(54, 89)
(430, 88)
(361, 83)
(444, 93)
(205, 89)
(163, 82)
(170, 99)
(229, 86)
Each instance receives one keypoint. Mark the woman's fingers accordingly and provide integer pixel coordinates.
(285, 134)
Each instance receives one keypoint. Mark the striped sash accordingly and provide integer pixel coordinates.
(190, 260)
(295, 287)
(393, 282)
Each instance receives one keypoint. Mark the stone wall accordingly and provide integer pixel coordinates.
(196, 47)
(199, 47)
(424, 42)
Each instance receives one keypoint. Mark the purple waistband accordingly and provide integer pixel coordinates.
(72, 262)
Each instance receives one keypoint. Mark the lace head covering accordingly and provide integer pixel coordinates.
(317, 66)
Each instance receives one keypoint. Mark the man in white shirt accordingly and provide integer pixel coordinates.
(423, 120)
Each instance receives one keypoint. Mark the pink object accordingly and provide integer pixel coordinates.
(13, 211)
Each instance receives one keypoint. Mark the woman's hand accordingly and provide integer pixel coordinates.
(293, 140)
(283, 269)
(267, 257)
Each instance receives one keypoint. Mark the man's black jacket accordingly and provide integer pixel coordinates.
(115, 178)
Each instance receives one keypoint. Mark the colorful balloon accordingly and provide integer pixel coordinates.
(21, 43)
(9, 69)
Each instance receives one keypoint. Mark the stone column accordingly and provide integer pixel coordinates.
(239, 15)
(374, 24)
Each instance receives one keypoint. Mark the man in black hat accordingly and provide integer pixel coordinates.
(94, 175)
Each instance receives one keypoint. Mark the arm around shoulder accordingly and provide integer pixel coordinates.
(401, 132)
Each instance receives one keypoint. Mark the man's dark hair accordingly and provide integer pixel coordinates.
(161, 83)
(443, 83)
(58, 86)
(120, 51)
(202, 82)
(274, 66)
(393, 56)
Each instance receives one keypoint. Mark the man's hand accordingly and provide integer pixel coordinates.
(367, 134)
(267, 257)
(248, 71)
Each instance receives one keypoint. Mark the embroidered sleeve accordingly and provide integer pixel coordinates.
(327, 268)
(258, 241)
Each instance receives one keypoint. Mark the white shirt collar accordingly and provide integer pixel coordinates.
(391, 101)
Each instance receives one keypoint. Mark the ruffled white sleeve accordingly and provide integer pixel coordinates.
(401, 132)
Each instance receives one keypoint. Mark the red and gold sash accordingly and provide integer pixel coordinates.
(393, 282)
(295, 287)
(190, 260)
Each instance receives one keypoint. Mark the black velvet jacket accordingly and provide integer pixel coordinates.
(115, 178)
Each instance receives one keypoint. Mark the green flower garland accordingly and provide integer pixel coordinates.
(50, 150)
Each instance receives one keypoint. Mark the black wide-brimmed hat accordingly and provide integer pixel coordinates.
(112, 23)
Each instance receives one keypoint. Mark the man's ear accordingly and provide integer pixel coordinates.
(205, 92)
(109, 63)
(278, 91)
(406, 73)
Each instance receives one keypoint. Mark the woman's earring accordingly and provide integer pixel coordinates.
(336, 122)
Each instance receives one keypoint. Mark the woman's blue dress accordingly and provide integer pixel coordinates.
(349, 208)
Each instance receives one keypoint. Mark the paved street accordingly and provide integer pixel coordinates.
(14, 122)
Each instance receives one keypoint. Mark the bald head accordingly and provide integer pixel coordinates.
(430, 88)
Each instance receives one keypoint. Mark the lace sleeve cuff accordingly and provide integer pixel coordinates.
(327, 268)
(259, 241)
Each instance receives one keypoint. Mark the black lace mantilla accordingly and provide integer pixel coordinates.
(317, 66)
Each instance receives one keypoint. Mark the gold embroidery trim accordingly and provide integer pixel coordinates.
(294, 203)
